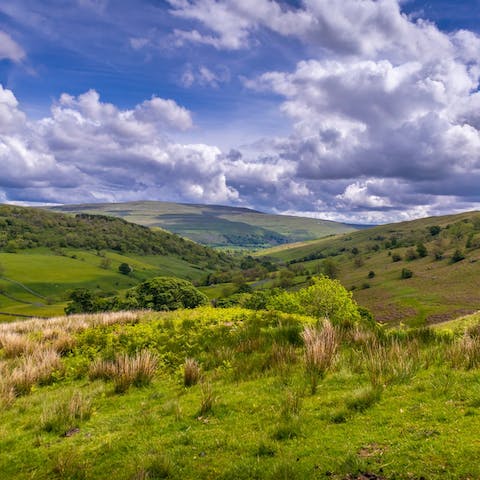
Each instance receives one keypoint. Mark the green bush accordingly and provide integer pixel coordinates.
(326, 298)
(406, 273)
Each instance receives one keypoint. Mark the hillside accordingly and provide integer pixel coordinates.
(45, 254)
(370, 262)
(228, 394)
(217, 226)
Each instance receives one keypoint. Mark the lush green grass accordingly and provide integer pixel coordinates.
(438, 290)
(217, 225)
(51, 276)
(263, 422)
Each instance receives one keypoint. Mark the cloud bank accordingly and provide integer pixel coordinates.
(384, 108)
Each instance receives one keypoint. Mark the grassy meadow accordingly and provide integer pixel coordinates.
(236, 394)
(37, 281)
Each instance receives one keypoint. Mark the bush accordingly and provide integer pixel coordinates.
(406, 273)
(457, 256)
(422, 250)
(125, 269)
(326, 298)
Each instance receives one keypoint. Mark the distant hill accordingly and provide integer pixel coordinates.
(445, 272)
(217, 226)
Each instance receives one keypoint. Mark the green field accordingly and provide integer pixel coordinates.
(397, 405)
(217, 225)
(51, 276)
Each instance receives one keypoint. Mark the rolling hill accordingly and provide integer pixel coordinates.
(45, 254)
(217, 226)
(444, 278)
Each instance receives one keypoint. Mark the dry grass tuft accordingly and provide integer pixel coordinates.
(321, 346)
(391, 362)
(465, 352)
(208, 399)
(14, 344)
(35, 368)
(191, 372)
(282, 356)
(126, 370)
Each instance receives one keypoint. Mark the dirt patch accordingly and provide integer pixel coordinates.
(364, 476)
(372, 450)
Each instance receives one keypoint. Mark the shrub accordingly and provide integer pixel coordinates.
(321, 347)
(422, 250)
(326, 298)
(125, 269)
(396, 257)
(371, 274)
(406, 273)
(458, 256)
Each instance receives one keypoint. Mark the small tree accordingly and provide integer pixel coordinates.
(371, 274)
(125, 269)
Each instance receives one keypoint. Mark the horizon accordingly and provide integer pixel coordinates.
(363, 112)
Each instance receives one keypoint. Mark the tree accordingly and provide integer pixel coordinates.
(82, 300)
(166, 293)
(371, 274)
(125, 269)
(326, 298)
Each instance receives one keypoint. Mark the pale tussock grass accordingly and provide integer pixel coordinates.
(126, 370)
(321, 347)
(465, 352)
(31, 369)
(391, 362)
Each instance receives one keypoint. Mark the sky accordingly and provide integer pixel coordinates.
(362, 111)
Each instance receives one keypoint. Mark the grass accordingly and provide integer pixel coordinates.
(53, 276)
(263, 424)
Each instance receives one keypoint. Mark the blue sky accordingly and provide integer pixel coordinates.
(359, 110)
